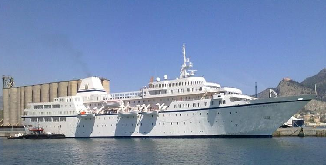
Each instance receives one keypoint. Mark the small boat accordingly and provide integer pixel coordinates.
(37, 133)
(44, 136)
(16, 136)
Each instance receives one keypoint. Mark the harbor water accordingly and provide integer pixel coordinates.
(280, 150)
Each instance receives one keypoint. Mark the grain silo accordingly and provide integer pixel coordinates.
(72, 89)
(45, 93)
(13, 120)
(18, 107)
(6, 111)
(16, 99)
(78, 84)
(53, 91)
(22, 101)
(63, 89)
(36, 93)
(28, 95)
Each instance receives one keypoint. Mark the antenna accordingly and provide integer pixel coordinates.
(316, 89)
(184, 53)
(256, 90)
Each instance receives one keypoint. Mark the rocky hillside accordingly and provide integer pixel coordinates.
(288, 87)
(320, 81)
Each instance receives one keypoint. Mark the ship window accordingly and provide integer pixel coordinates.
(38, 106)
(205, 103)
(194, 105)
(198, 104)
(55, 119)
(223, 101)
(33, 119)
(169, 85)
(47, 106)
(40, 119)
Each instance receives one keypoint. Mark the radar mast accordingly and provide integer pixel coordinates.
(186, 65)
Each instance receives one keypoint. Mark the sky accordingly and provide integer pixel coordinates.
(233, 43)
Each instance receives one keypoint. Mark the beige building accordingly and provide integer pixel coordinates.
(15, 99)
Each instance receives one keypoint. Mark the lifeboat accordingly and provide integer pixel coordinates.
(130, 113)
(155, 112)
(113, 103)
(85, 114)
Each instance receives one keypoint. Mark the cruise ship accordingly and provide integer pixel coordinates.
(187, 106)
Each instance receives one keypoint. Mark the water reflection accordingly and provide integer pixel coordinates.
(163, 151)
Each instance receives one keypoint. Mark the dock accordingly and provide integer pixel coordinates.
(294, 131)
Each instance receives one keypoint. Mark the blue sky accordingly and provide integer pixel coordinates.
(234, 43)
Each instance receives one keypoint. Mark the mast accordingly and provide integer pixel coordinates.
(186, 65)
(184, 54)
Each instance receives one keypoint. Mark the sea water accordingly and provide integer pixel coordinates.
(284, 150)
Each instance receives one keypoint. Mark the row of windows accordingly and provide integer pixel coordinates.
(196, 104)
(175, 84)
(67, 99)
(48, 119)
(46, 106)
(51, 113)
(153, 124)
(168, 99)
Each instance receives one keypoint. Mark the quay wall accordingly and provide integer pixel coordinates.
(294, 131)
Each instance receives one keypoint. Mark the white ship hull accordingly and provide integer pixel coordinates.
(259, 118)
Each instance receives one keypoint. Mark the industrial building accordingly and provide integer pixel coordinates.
(15, 99)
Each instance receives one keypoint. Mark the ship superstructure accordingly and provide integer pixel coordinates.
(188, 106)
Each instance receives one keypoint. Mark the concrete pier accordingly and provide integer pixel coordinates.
(294, 131)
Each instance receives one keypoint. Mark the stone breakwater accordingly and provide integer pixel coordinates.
(308, 131)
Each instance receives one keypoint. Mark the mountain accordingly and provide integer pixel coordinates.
(320, 81)
(288, 87)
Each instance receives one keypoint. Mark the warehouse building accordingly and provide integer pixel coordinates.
(15, 99)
